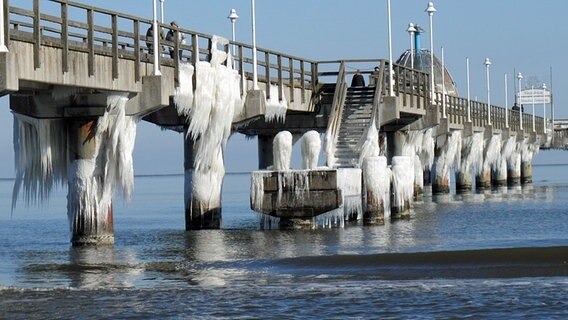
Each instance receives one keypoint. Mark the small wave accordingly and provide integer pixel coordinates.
(485, 263)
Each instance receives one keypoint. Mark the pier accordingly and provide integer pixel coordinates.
(77, 89)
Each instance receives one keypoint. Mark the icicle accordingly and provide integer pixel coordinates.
(183, 97)
(449, 155)
(311, 146)
(377, 179)
(370, 146)
(492, 153)
(349, 182)
(40, 149)
(402, 181)
(275, 108)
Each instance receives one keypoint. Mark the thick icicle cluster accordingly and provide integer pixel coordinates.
(402, 180)
(449, 154)
(209, 112)
(472, 153)
(492, 153)
(370, 146)
(40, 148)
(92, 181)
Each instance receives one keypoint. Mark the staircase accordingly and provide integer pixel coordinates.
(357, 112)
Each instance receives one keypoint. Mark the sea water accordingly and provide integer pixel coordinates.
(491, 255)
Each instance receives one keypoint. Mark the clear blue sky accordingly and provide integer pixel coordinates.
(522, 34)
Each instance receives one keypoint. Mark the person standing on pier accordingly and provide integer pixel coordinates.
(171, 37)
(358, 80)
(150, 39)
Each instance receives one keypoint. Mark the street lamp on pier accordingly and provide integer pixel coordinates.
(162, 11)
(254, 61)
(233, 17)
(430, 10)
(391, 84)
(156, 36)
(411, 30)
(520, 79)
(487, 63)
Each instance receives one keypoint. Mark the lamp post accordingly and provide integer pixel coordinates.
(391, 84)
(254, 61)
(532, 97)
(520, 79)
(162, 11)
(506, 103)
(156, 36)
(443, 86)
(487, 63)
(430, 10)
(233, 17)
(468, 91)
(411, 30)
(544, 105)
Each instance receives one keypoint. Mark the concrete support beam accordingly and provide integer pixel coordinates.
(199, 214)
(89, 226)
(265, 151)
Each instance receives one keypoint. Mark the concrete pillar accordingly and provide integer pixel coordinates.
(427, 177)
(295, 224)
(402, 187)
(376, 187)
(526, 172)
(441, 176)
(464, 181)
(514, 171)
(499, 174)
(90, 223)
(483, 179)
(395, 143)
(418, 179)
(199, 214)
(265, 156)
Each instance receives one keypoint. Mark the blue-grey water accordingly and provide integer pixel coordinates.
(501, 254)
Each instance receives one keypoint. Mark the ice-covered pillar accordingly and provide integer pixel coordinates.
(402, 186)
(514, 170)
(499, 174)
(90, 224)
(464, 180)
(193, 218)
(376, 186)
(483, 178)
(441, 182)
(526, 172)
(265, 158)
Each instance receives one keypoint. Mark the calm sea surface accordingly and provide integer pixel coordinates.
(502, 254)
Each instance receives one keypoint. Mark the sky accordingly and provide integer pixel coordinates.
(521, 35)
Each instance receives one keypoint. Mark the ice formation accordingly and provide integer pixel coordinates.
(418, 175)
(492, 153)
(508, 157)
(330, 142)
(349, 182)
(311, 146)
(377, 177)
(449, 155)
(42, 160)
(402, 180)
(528, 150)
(275, 108)
(472, 153)
(92, 181)
(370, 146)
(282, 150)
(209, 111)
(40, 148)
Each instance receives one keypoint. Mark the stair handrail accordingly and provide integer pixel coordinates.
(335, 117)
(376, 114)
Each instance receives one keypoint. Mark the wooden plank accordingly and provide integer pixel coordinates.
(242, 68)
(64, 37)
(6, 22)
(114, 46)
(136, 50)
(280, 81)
(303, 81)
(90, 43)
(291, 76)
(37, 35)
(267, 73)
(195, 56)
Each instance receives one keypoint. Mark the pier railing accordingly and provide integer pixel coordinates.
(72, 26)
(456, 109)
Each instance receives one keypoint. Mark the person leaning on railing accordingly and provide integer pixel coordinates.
(150, 39)
(171, 37)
